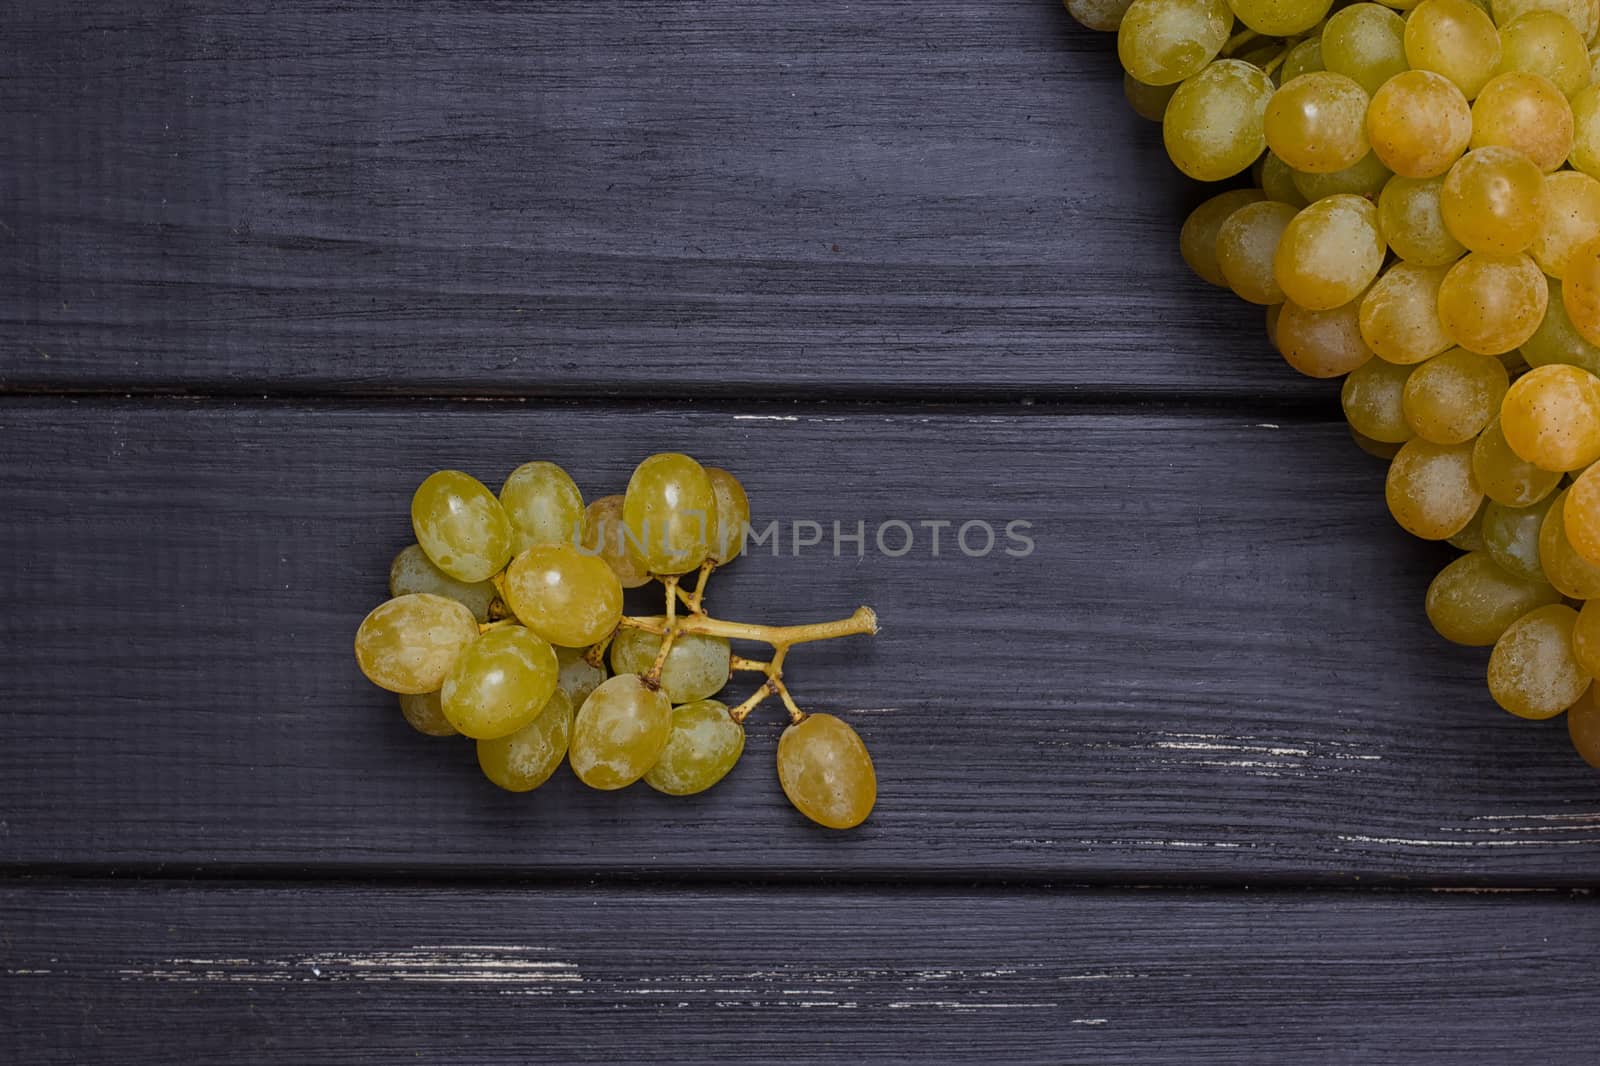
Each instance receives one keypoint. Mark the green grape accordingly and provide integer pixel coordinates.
(1150, 101)
(1276, 179)
(1430, 489)
(1197, 241)
(1533, 672)
(669, 508)
(1569, 572)
(409, 643)
(1582, 14)
(577, 678)
(1165, 41)
(1366, 178)
(1372, 398)
(606, 536)
(500, 683)
(1452, 397)
(1583, 721)
(1365, 42)
(826, 772)
(1491, 304)
(1213, 125)
(1412, 223)
(1400, 314)
(1330, 252)
(1511, 537)
(1245, 247)
(543, 503)
(1473, 601)
(1504, 476)
(1571, 219)
(412, 571)
(696, 667)
(1528, 113)
(1419, 124)
(1280, 18)
(1543, 42)
(1317, 123)
(619, 733)
(1586, 131)
(423, 713)
(1303, 58)
(1102, 15)
(705, 744)
(1551, 417)
(732, 516)
(1493, 201)
(524, 760)
(1321, 344)
(1470, 539)
(1556, 341)
(461, 526)
(1454, 38)
(565, 596)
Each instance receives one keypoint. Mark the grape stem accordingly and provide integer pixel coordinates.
(653, 678)
(864, 622)
(1238, 41)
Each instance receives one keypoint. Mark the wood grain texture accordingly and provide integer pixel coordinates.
(912, 197)
(217, 974)
(1214, 665)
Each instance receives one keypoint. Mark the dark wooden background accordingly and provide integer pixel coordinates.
(1193, 782)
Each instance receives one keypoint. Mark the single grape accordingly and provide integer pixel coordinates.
(524, 760)
(1430, 489)
(1493, 201)
(1582, 14)
(543, 503)
(500, 683)
(1556, 340)
(1504, 476)
(423, 713)
(1317, 123)
(1330, 252)
(1280, 18)
(1197, 240)
(1149, 101)
(1400, 314)
(705, 744)
(1582, 518)
(1571, 218)
(1454, 38)
(461, 526)
(669, 507)
(409, 643)
(1213, 127)
(1533, 672)
(1165, 41)
(1365, 42)
(565, 596)
(1580, 290)
(1569, 572)
(1413, 224)
(1511, 537)
(577, 678)
(826, 772)
(1526, 112)
(1473, 600)
(732, 515)
(619, 733)
(1303, 58)
(1586, 131)
(1453, 396)
(1491, 304)
(1367, 178)
(1372, 398)
(1245, 247)
(412, 571)
(1419, 123)
(606, 536)
(1101, 15)
(696, 667)
(1586, 637)
(1583, 726)
(1551, 417)
(1321, 344)
(1276, 179)
(1543, 42)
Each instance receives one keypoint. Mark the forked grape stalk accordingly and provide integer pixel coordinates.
(503, 612)
(1423, 223)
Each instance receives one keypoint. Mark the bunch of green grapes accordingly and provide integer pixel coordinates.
(505, 609)
(1422, 222)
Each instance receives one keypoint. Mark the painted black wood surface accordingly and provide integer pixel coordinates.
(317, 216)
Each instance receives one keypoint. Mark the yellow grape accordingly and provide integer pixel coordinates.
(1330, 252)
(500, 683)
(423, 713)
(606, 535)
(1584, 15)
(826, 772)
(1400, 314)
(1103, 16)
(1430, 489)
(732, 517)
(568, 598)
(1511, 536)
(524, 760)
(1493, 201)
(1213, 124)
(408, 644)
(697, 666)
(1412, 223)
(1586, 637)
(1454, 38)
(1197, 240)
(1473, 601)
(1317, 123)
(1583, 725)
(577, 678)
(1276, 179)
(1569, 572)
(1419, 123)
(1246, 244)
(1551, 417)
(1586, 131)
(461, 525)
(1150, 101)
(1543, 42)
(1571, 218)
(1321, 344)
(543, 503)
(1491, 304)
(1280, 18)
(669, 508)
(1533, 672)
(1452, 397)
(1580, 290)
(1366, 179)
(705, 744)
(1364, 42)
(1582, 518)
(1526, 112)
(1557, 340)
(1504, 476)
(1372, 398)
(1161, 42)
(413, 571)
(1305, 58)
(619, 733)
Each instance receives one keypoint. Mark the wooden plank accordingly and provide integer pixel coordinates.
(1213, 666)
(830, 198)
(582, 975)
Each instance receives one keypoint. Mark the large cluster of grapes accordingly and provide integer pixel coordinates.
(1424, 222)
(504, 611)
